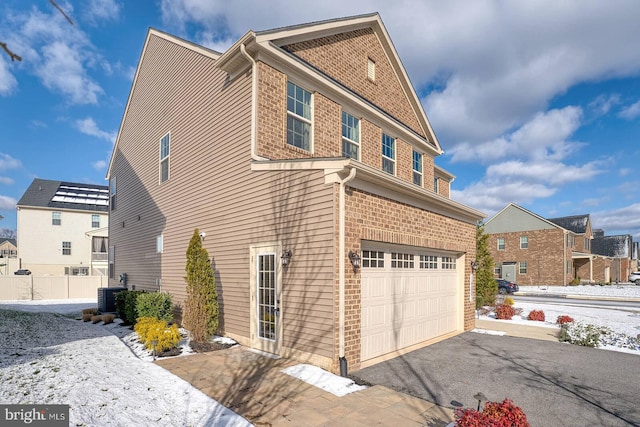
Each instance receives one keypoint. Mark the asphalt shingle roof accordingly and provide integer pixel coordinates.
(576, 223)
(66, 195)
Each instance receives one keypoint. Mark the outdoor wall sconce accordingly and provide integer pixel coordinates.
(202, 235)
(474, 265)
(355, 259)
(286, 257)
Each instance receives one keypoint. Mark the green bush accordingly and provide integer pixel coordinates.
(155, 304)
(126, 302)
(200, 313)
(586, 335)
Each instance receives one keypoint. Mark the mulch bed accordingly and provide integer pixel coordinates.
(204, 347)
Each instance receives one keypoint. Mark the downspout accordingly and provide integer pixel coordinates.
(341, 268)
(254, 102)
(564, 259)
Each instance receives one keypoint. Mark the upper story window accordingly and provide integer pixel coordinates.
(112, 193)
(388, 154)
(165, 143)
(371, 69)
(66, 248)
(56, 218)
(95, 221)
(497, 269)
(436, 183)
(417, 168)
(350, 136)
(587, 244)
(524, 242)
(501, 243)
(570, 240)
(159, 244)
(298, 117)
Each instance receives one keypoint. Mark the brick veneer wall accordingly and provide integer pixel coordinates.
(544, 257)
(375, 218)
(344, 57)
(327, 130)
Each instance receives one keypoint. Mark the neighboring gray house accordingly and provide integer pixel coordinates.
(620, 249)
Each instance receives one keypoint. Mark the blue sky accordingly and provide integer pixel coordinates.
(536, 103)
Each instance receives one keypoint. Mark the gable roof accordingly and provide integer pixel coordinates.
(516, 218)
(576, 223)
(11, 241)
(44, 193)
(613, 246)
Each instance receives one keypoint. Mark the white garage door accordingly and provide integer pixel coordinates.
(408, 296)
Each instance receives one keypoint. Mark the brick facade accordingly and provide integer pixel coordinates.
(544, 257)
(375, 218)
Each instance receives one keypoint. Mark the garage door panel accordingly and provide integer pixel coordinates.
(403, 307)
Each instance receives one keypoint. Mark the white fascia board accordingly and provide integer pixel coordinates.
(377, 182)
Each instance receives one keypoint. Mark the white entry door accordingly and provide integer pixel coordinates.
(266, 275)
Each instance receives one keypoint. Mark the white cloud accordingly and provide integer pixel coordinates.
(8, 82)
(101, 11)
(88, 126)
(59, 53)
(631, 112)
(100, 165)
(613, 221)
(543, 137)
(7, 162)
(604, 103)
(6, 180)
(7, 203)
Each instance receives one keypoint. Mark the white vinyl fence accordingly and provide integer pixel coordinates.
(50, 287)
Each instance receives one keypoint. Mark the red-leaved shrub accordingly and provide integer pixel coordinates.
(536, 315)
(504, 311)
(564, 319)
(494, 414)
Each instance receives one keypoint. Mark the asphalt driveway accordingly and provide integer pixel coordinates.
(556, 384)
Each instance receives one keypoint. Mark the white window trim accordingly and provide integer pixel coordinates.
(166, 158)
(351, 141)
(303, 119)
(416, 171)
(392, 160)
(504, 244)
(520, 264)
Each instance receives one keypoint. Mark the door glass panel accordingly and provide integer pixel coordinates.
(267, 305)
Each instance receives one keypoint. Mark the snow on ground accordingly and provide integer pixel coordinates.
(103, 372)
(624, 322)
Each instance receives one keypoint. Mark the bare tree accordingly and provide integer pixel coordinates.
(14, 56)
(7, 233)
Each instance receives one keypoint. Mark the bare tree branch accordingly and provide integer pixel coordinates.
(62, 12)
(12, 55)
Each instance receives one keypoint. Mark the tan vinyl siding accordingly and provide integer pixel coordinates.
(345, 58)
(212, 187)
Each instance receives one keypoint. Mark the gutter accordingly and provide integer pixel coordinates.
(341, 269)
(254, 102)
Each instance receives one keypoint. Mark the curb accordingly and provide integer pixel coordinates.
(570, 296)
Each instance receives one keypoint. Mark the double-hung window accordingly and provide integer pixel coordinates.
(298, 117)
(436, 185)
(112, 193)
(524, 242)
(165, 143)
(95, 221)
(66, 248)
(388, 154)
(523, 267)
(56, 218)
(350, 136)
(417, 168)
(501, 243)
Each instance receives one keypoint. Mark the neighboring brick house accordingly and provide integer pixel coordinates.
(305, 146)
(531, 250)
(62, 228)
(620, 249)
